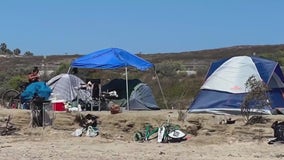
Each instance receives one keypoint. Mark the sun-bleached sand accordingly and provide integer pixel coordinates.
(206, 138)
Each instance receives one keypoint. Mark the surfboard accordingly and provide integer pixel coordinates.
(161, 132)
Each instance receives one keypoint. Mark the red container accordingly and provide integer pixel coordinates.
(58, 105)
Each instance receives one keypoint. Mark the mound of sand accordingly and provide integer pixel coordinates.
(208, 137)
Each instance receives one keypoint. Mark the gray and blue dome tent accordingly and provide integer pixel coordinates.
(112, 58)
(224, 88)
(140, 94)
(141, 98)
(64, 87)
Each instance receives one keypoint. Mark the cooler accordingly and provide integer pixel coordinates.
(58, 105)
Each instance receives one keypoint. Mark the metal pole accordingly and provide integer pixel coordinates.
(165, 101)
(126, 79)
(69, 69)
(100, 94)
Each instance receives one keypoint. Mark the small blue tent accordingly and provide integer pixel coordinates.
(224, 88)
(112, 58)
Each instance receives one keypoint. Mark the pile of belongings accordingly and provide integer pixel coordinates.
(167, 132)
(88, 126)
(147, 134)
(170, 133)
(278, 128)
(36, 89)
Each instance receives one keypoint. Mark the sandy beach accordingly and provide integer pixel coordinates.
(207, 139)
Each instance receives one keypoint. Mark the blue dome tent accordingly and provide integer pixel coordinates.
(224, 88)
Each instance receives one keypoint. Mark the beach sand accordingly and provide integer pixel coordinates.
(207, 139)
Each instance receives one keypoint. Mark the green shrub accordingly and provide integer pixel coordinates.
(256, 98)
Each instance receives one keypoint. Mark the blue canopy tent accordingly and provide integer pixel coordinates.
(112, 58)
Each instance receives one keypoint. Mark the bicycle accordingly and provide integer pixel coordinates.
(146, 134)
(11, 98)
(167, 132)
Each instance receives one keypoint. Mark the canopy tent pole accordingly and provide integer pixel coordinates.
(69, 69)
(126, 79)
(165, 101)
(100, 95)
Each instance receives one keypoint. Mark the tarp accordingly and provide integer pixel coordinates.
(111, 58)
(140, 98)
(39, 89)
(66, 87)
(224, 88)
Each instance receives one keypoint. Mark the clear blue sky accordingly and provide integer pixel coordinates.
(147, 26)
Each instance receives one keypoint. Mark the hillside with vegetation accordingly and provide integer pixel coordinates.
(178, 86)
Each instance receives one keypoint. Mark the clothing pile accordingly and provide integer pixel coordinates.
(88, 126)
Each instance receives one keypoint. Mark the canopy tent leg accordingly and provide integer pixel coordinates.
(100, 94)
(126, 78)
(158, 80)
(69, 70)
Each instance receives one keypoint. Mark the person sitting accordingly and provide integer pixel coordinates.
(34, 76)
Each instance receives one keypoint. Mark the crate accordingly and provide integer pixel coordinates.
(48, 115)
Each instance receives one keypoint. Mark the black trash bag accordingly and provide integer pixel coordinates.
(278, 129)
